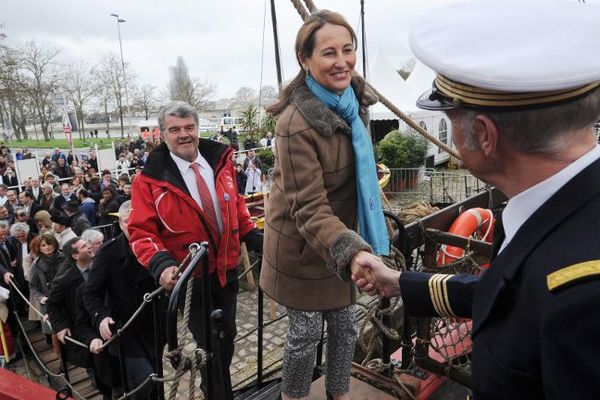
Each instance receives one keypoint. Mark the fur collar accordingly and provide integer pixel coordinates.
(326, 121)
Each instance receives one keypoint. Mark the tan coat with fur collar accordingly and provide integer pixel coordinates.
(311, 215)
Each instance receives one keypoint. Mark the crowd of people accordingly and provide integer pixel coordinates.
(52, 226)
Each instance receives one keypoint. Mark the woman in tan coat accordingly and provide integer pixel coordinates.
(311, 246)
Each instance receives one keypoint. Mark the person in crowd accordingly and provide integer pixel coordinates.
(107, 180)
(22, 216)
(66, 196)
(57, 155)
(46, 160)
(43, 271)
(27, 201)
(10, 178)
(63, 170)
(3, 197)
(62, 227)
(72, 158)
(87, 206)
(268, 141)
(115, 289)
(251, 156)
(5, 215)
(530, 133)
(43, 222)
(28, 263)
(312, 249)
(182, 197)
(94, 190)
(94, 238)
(108, 204)
(51, 179)
(92, 160)
(76, 184)
(35, 189)
(48, 196)
(253, 182)
(241, 178)
(249, 143)
(122, 165)
(78, 220)
(12, 201)
(63, 298)
(124, 193)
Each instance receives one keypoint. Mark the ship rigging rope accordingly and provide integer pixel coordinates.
(304, 13)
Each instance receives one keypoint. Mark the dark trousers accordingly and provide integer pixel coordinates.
(224, 298)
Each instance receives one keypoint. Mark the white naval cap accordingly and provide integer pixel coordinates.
(508, 54)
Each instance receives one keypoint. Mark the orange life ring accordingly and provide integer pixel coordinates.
(477, 223)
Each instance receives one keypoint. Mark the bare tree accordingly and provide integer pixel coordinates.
(245, 93)
(144, 99)
(185, 88)
(109, 74)
(42, 74)
(268, 92)
(13, 92)
(78, 86)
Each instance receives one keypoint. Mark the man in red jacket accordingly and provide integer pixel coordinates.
(187, 193)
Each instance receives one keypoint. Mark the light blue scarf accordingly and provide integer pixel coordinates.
(370, 211)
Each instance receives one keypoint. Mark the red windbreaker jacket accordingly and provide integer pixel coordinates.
(165, 219)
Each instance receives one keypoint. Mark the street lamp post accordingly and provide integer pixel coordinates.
(119, 21)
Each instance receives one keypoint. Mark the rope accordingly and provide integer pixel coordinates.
(415, 211)
(301, 10)
(41, 364)
(310, 5)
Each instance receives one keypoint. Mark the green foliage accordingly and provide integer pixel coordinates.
(249, 121)
(267, 160)
(402, 150)
(268, 124)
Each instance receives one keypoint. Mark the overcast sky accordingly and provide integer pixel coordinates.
(220, 40)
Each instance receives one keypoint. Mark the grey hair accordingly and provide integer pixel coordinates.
(4, 224)
(179, 109)
(125, 209)
(47, 186)
(538, 130)
(91, 235)
(19, 227)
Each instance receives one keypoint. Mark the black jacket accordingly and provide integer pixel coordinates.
(79, 223)
(115, 288)
(62, 310)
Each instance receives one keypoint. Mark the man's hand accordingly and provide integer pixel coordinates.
(7, 277)
(371, 275)
(167, 279)
(95, 346)
(105, 331)
(43, 300)
(61, 335)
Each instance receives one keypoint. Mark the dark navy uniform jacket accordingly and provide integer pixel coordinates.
(536, 310)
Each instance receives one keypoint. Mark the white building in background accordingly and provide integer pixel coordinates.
(404, 95)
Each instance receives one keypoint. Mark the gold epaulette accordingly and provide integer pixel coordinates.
(438, 291)
(574, 272)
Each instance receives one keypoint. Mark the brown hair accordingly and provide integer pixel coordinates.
(44, 217)
(305, 44)
(49, 239)
(34, 245)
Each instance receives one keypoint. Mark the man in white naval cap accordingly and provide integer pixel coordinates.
(520, 84)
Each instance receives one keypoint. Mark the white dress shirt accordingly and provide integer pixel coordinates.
(522, 206)
(189, 177)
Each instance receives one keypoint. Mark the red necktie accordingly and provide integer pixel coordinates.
(207, 202)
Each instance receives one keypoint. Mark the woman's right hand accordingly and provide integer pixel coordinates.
(43, 300)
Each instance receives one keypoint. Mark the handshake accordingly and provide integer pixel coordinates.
(372, 276)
